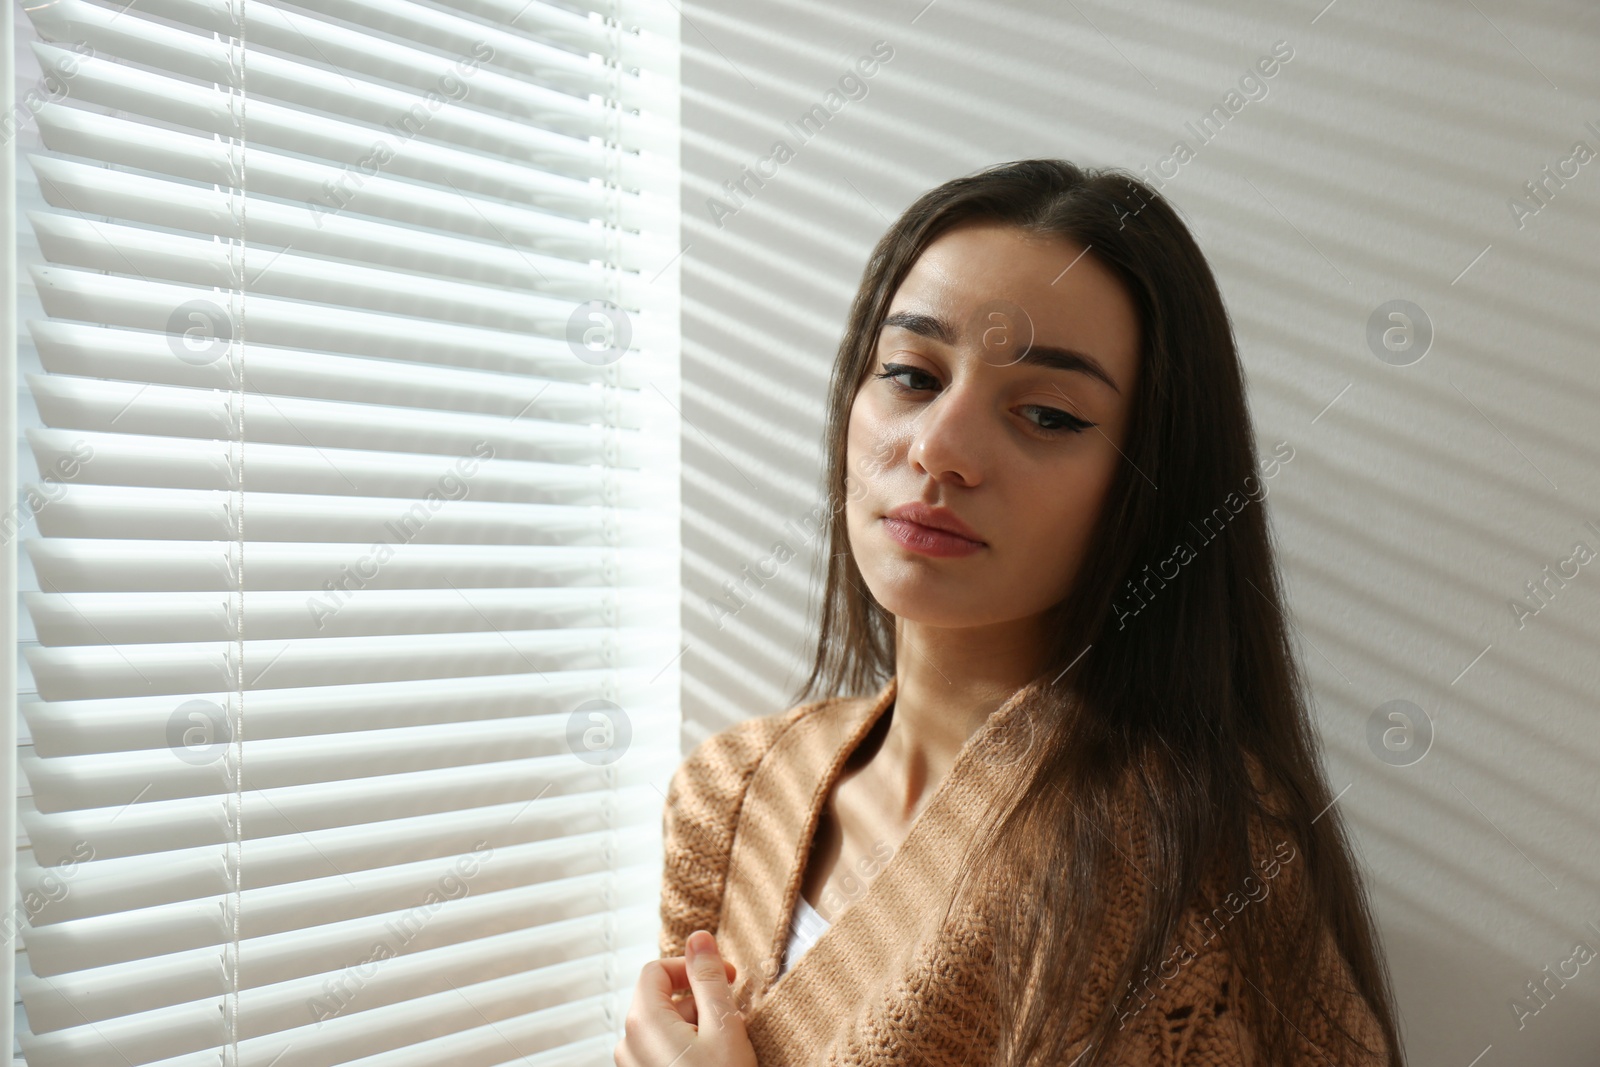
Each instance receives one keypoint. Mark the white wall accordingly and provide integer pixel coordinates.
(1380, 165)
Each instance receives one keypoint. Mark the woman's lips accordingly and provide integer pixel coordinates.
(927, 540)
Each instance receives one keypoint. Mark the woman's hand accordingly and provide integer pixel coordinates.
(704, 1029)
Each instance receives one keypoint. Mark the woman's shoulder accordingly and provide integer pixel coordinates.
(720, 766)
(701, 813)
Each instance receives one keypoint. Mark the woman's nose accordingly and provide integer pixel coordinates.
(948, 442)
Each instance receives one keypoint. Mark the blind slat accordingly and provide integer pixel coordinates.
(77, 349)
(106, 886)
(160, 827)
(81, 672)
(72, 565)
(108, 780)
(334, 912)
(511, 305)
(132, 723)
(191, 463)
(104, 406)
(87, 510)
(124, 618)
(70, 293)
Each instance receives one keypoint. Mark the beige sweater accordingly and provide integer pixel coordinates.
(884, 984)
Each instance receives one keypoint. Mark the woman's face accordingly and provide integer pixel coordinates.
(1017, 441)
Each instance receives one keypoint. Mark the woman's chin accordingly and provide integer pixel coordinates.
(934, 604)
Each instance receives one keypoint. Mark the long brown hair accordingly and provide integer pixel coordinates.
(1188, 688)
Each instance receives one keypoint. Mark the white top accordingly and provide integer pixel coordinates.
(806, 928)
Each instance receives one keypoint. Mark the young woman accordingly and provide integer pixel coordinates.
(1083, 819)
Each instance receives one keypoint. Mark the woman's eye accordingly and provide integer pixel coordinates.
(1057, 421)
(892, 371)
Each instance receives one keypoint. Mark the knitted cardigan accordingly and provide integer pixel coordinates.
(888, 982)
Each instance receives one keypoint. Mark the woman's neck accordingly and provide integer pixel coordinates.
(947, 684)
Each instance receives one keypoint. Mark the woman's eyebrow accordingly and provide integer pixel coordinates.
(919, 323)
(1037, 355)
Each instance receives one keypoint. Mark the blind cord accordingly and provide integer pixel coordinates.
(236, 308)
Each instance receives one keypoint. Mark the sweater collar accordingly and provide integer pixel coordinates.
(899, 912)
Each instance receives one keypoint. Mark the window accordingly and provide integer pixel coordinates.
(345, 366)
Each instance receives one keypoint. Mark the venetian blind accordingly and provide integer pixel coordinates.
(347, 359)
